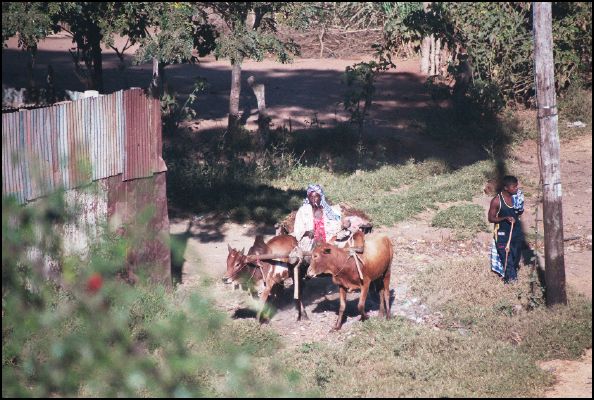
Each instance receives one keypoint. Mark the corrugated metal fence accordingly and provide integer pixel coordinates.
(68, 145)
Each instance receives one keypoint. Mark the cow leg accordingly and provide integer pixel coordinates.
(264, 298)
(380, 292)
(301, 313)
(361, 306)
(338, 324)
(386, 293)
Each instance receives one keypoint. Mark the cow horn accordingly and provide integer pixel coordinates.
(229, 247)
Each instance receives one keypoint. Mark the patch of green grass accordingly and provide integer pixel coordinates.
(466, 219)
(395, 193)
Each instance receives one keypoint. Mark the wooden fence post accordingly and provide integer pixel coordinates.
(549, 154)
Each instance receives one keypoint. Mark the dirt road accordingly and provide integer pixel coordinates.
(307, 92)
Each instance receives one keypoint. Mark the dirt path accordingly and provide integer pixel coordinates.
(418, 244)
(310, 91)
(576, 177)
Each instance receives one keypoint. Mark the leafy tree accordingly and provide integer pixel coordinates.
(173, 32)
(498, 40)
(397, 34)
(249, 33)
(29, 21)
(317, 16)
(89, 24)
(167, 32)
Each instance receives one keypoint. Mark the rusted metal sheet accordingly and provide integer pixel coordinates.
(140, 135)
(156, 128)
(140, 205)
(62, 145)
(71, 144)
(13, 168)
(117, 137)
(121, 130)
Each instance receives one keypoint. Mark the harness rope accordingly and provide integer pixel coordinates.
(354, 252)
(358, 262)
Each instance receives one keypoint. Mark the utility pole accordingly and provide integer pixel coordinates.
(549, 154)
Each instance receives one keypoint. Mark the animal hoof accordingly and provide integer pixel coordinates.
(303, 317)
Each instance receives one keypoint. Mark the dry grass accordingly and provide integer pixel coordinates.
(469, 294)
(486, 345)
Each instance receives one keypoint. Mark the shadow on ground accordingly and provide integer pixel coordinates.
(209, 173)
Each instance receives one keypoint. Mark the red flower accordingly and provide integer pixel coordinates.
(94, 283)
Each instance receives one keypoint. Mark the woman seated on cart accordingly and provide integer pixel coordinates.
(317, 221)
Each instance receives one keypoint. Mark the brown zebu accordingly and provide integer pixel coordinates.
(375, 260)
(242, 273)
(273, 271)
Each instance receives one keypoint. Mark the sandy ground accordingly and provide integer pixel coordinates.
(298, 95)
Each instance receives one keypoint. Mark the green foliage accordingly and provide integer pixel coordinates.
(339, 15)
(360, 82)
(572, 37)
(466, 219)
(398, 35)
(168, 32)
(498, 39)
(32, 21)
(86, 333)
(177, 29)
(242, 41)
(173, 113)
(360, 15)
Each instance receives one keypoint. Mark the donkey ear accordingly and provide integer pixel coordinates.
(327, 250)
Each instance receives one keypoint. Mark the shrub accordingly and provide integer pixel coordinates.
(86, 333)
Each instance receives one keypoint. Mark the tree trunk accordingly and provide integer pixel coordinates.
(425, 49)
(97, 74)
(155, 86)
(425, 46)
(431, 55)
(437, 52)
(446, 58)
(549, 155)
(321, 38)
(233, 123)
(263, 118)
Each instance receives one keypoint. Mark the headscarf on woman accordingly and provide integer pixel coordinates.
(330, 214)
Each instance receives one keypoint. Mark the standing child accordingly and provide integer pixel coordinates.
(504, 212)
